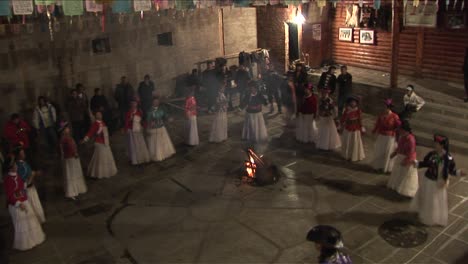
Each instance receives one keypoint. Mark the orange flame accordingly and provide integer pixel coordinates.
(250, 165)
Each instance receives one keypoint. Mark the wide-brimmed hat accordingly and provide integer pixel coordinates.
(442, 140)
(388, 102)
(326, 236)
(352, 98)
(62, 126)
(309, 86)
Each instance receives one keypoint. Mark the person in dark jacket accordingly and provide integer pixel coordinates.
(145, 91)
(242, 79)
(300, 82)
(273, 83)
(99, 103)
(77, 112)
(123, 95)
(465, 73)
(345, 85)
(254, 129)
(328, 80)
(211, 85)
(328, 242)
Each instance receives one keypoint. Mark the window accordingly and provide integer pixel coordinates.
(165, 39)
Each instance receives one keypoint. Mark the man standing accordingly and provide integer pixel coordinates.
(44, 120)
(273, 83)
(465, 72)
(99, 103)
(413, 103)
(211, 85)
(242, 79)
(145, 91)
(328, 80)
(77, 112)
(345, 85)
(123, 94)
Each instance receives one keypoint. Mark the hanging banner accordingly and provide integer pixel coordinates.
(208, 3)
(274, 2)
(121, 6)
(5, 8)
(292, 2)
(92, 6)
(142, 5)
(73, 7)
(184, 4)
(242, 3)
(162, 4)
(44, 2)
(224, 2)
(22, 7)
(421, 16)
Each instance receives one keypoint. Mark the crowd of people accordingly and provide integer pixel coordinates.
(330, 117)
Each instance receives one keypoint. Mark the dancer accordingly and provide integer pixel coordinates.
(191, 127)
(28, 230)
(136, 145)
(306, 129)
(102, 164)
(28, 176)
(404, 177)
(328, 137)
(385, 128)
(431, 199)
(71, 164)
(329, 242)
(219, 129)
(351, 121)
(288, 97)
(159, 143)
(413, 103)
(254, 125)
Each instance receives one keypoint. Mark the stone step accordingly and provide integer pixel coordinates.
(446, 110)
(427, 139)
(432, 127)
(441, 120)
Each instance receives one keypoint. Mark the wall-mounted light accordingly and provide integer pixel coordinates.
(299, 18)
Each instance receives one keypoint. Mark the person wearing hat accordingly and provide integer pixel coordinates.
(327, 136)
(306, 129)
(351, 122)
(191, 125)
(146, 91)
(329, 242)
(28, 230)
(413, 103)
(74, 183)
(385, 128)
(136, 145)
(430, 201)
(404, 177)
(345, 85)
(159, 143)
(254, 129)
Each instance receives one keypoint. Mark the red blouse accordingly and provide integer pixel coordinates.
(387, 124)
(129, 118)
(97, 131)
(68, 147)
(407, 147)
(309, 105)
(17, 133)
(190, 106)
(14, 189)
(351, 119)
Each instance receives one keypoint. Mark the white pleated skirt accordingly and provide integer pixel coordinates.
(383, 148)
(28, 230)
(328, 137)
(404, 179)
(352, 147)
(102, 164)
(137, 149)
(191, 131)
(35, 203)
(254, 128)
(219, 129)
(74, 181)
(160, 144)
(431, 203)
(306, 129)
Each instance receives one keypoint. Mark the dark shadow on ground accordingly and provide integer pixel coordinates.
(366, 218)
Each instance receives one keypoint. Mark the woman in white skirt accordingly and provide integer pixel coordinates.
(136, 145)
(28, 176)
(191, 127)
(159, 143)
(219, 129)
(74, 181)
(28, 230)
(328, 137)
(306, 129)
(431, 199)
(385, 128)
(404, 177)
(254, 129)
(102, 164)
(351, 122)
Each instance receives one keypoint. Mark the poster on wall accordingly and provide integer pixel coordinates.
(421, 15)
(345, 34)
(142, 5)
(22, 7)
(317, 32)
(367, 36)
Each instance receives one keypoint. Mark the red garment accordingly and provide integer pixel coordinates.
(387, 124)
(309, 105)
(190, 106)
(351, 119)
(129, 118)
(16, 134)
(97, 131)
(14, 189)
(68, 147)
(407, 148)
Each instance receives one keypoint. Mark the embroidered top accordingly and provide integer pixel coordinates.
(309, 105)
(407, 148)
(387, 124)
(156, 117)
(221, 103)
(190, 106)
(351, 119)
(326, 107)
(44, 117)
(133, 120)
(68, 147)
(98, 130)
(337, 258)
(17, 133)
(24, 170)
(327, 81)
(14, 189)
(253, 102)
(439, 166)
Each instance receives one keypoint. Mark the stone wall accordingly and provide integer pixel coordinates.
(32, 65)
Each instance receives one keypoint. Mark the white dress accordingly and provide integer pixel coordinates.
(219, 128)
(28, 230)
(102, 164)
(328, 137)
(404, 179)
(137, 149)
(306, 129)
(73, 177)
(254, 128)
(35, 203)
(383, 149)
(352, 146)
(160, 144)
(191, 130)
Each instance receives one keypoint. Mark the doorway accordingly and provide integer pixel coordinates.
(293, 42)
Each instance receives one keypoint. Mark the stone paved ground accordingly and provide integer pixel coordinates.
(192, 208)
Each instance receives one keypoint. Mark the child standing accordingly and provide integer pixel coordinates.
(71, 164)
(191, 127)
(219, 129)
(102, 164)
(351, 121)
(254, 125)
(136, 145)
(306, 129)
(159, 142)
(328, 137)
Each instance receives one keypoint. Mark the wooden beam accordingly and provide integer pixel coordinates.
(419, 51)
(396, 28)
(221, 31)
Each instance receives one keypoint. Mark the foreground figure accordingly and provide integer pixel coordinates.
(431, 199)
(136, 145)
(385, 128)
(159, 143)
(219, 129)
(328, 242)
(328, 137)
(74, 182)
(28, 230)
(191, 127)
(102, 164)
(413, 103)
(351, 122)
(404, 177)
(306, 129)
(254, 125)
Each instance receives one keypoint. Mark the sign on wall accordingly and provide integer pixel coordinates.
(422, 15)
(22, 7)
(317, 32)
